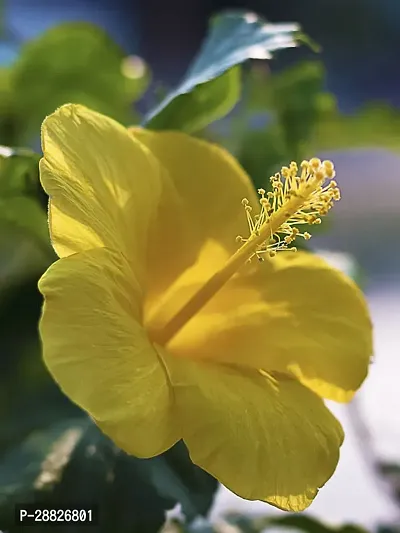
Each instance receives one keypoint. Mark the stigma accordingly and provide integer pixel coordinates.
(296, 199)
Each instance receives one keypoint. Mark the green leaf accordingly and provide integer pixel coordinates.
(27, 215)
(73, 460)
(22, 200)
(293, 100)
(175, 476)
(195, 110)
(19, 172)
(234, 37)
(75, 62)
(298, 101)
(24, 237)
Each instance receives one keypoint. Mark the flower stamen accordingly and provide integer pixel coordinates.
(294, 200)
(316, 199)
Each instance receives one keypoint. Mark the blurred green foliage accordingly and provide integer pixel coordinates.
(277, 117)
(236, 523)
(74, 62)
(72, 461)
(48, 447)
(20, 194)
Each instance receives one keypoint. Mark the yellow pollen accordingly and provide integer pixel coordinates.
(294, 200)
(298, 199)
(315, 163)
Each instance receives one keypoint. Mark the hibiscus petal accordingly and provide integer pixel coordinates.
(97, 351)
(295, 314)
(104, 186)
(202, 201)
(263, 438)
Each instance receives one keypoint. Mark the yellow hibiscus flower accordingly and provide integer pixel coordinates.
(157, 325)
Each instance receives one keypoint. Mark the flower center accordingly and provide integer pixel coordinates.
(294, 200)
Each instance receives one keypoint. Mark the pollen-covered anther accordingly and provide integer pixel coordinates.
(315, 163)
(294, 200)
